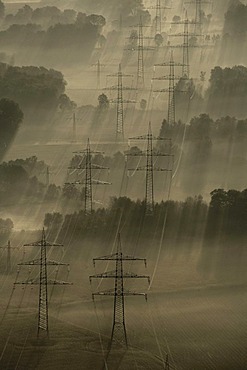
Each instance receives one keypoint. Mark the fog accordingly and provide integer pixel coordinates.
(112, 130)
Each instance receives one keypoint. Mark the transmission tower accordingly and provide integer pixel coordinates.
(186, 44)
(171, 117)
(87, 165)
(119, 334)
(43, 280)
(158, 16)
(198, 13)
(149, 168)
(120, 101)
(8, 248)
(140, 82)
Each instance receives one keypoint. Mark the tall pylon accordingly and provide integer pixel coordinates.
(74, 127)
(120, 101)
(119, 333)
(43, 281)
(171, 111)
(149, 168)
(88, 183)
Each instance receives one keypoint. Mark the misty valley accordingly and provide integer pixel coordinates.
(123, 184)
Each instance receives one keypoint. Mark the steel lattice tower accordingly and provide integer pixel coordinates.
(88, 183)
(120, 101)
(140, 60)
(118, 335)
(158, 16)
(198, 14)
(149, 197)
(186, 45)
(74, 127)
(88, 196)
(171, 116)
(43, 281)
(149, 168)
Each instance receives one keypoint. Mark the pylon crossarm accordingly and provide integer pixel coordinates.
(125, 101)
(41, 243)
(128, 293)
(117, 74)
(114, 257)
(124, 88)
(112, 274)
(181, 34)
(184, 22)
(37, 282)
(99, 182)
(58, 282)
(164, 78)
(182, 46)
(85, 151)
(93, 167)
(169, 64)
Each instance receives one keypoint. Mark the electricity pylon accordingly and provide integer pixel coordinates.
(43, 280)
(171, 116)
(186, 44)
(8, 248)
(119, 334)
(158, 16)
(149, 168)
(140, 81)
(99, 67)
(198, 13)
(120, 101)
(87, 165)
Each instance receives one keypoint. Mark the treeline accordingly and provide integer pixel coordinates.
(24, 181)
(68, 36)
(225, 215)
(38, 91)
(184, 220)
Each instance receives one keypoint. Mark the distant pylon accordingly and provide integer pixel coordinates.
(47, 176)
(198, 14)
(167, 363)
(120, 101)
(88, 183)
(171, 116)
(74, 126)
(149, 197)
(118, 334)
(8, 248)
(140, 61)
(158, 18)
(171, 94)
(98, 74)
(149, 168)
(120, 125)
(43, 282)
(88, 197)
(186, 62)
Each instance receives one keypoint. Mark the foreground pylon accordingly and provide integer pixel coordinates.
(119, 334)
(43, 280)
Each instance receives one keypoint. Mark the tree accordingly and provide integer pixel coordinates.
(2, 9)
(11, 117)
(103, 102)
